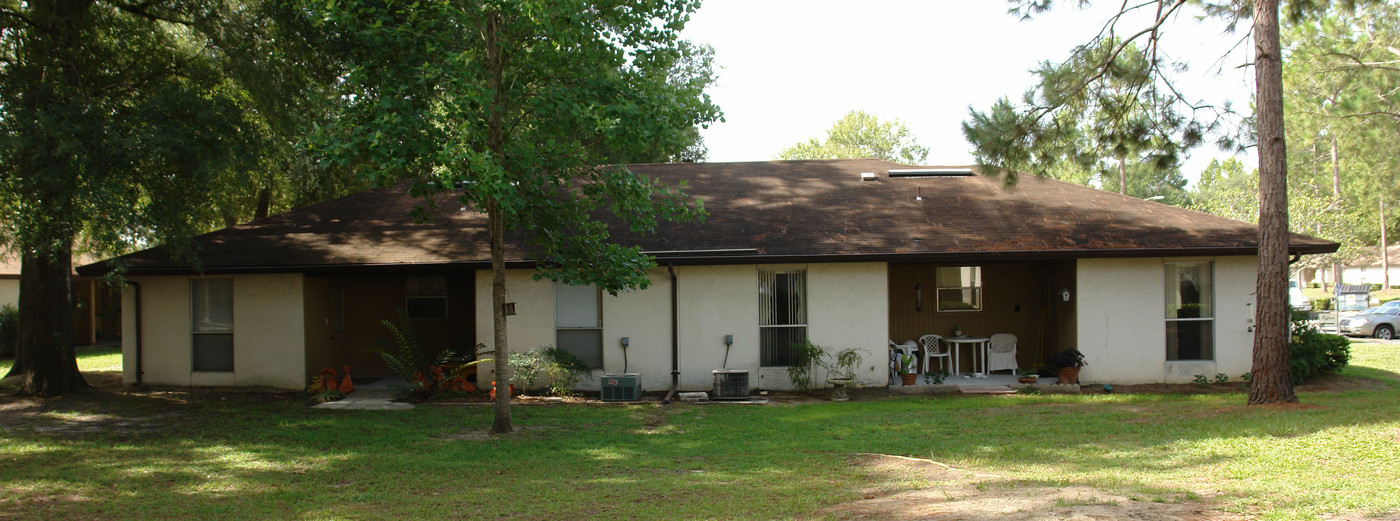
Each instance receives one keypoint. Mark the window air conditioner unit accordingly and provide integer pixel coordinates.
(730, 384)
(622, 387)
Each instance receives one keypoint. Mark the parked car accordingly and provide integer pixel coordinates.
(1380, 322)
(1296, 298)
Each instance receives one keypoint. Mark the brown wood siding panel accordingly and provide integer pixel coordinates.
(1016, 299)
(372, 299)
(316, 309)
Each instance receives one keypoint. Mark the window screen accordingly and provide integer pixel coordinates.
(426, 297)
(959, 288)
(578, 322)
(211, 320)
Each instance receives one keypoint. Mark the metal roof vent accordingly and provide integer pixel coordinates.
(930, 172)
(868, 176)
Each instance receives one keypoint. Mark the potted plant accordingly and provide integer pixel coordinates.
(1067, 363)
(841, 372)
(957, 331)
(1028, 377)
(908, 369)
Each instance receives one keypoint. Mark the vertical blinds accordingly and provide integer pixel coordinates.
(782, 298)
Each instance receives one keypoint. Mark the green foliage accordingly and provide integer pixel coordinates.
(524, 368)
(1227, 190)
(1066, 358)
(1096, 118)
(843, 363)
(564, 370)
(936, 377)
(9, 331)
(524, 106)
(859, 135)
(1313, 352)
(1221, 378)
(908, 364)
(805, 357)
(426, 377)
(320, 393)
(1200, 379)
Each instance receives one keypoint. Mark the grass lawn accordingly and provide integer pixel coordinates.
(99, 359)
(180, 455)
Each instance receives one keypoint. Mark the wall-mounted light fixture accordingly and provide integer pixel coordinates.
(509, 308)
(918, 297)
(1064, 294)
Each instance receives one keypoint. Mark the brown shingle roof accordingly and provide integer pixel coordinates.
(780, 211)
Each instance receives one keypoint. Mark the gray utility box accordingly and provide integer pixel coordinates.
(622, 387)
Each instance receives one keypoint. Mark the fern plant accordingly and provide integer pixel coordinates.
(405, 358)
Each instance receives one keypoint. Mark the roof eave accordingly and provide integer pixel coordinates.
(709, 258)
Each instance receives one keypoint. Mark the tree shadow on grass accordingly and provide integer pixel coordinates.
(180, 454)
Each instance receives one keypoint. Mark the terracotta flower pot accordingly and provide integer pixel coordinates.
(908, 378)
(1069, 375)
(1027, 379)
(493, 390)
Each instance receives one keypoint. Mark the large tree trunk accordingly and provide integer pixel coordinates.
(46, 322)
(495, 141)
(1270, 381)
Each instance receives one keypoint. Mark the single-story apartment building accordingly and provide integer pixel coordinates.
(96, 305)
(844, 253)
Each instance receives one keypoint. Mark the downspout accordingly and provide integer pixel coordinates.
(137, 298)
(675, 339)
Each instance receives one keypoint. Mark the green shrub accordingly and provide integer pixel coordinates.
(1314, 352)
(564, 370)
(1322, 304)
(1386, 299)
(9, 331)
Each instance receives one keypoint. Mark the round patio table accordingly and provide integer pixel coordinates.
(975, 342)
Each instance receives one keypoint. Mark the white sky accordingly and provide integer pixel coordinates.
(789, 69)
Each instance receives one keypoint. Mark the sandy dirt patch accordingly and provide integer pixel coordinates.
(961, 494)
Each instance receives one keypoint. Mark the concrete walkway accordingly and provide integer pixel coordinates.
(377, 396)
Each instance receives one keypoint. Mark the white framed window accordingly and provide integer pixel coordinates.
(782, 315)
(1190, 311)
(426, 297)
(959, 288)
(578, 322)
(211, 325)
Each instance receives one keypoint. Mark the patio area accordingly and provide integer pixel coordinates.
(991, 384)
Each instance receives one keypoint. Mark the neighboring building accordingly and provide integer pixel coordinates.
(1365, 270)
(96, 307)
(846, 253)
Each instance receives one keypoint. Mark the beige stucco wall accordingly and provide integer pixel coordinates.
(848, 307)
(9, 292)
(1121, 320)
(268, 337)
(1235, 283)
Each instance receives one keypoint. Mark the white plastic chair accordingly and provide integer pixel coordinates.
(1001, 352)
(934, 348)
(907, 348)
